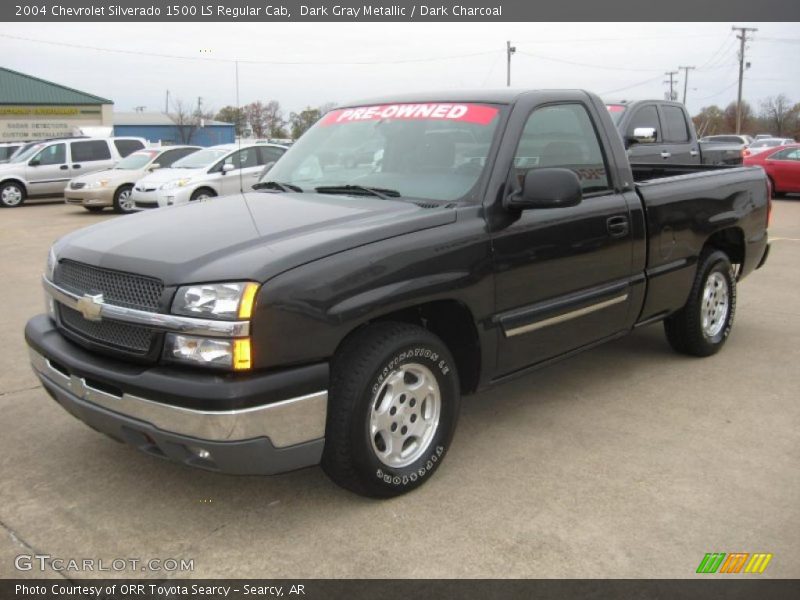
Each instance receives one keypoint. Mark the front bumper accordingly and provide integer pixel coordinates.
(91, 197)
(254, 424)
(160, 198)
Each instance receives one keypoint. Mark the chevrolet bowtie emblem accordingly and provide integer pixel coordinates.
(90, 305)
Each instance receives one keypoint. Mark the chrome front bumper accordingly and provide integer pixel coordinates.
(285, 423)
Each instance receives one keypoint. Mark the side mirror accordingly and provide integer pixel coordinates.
(227, 168)
(154, 166)
(34, 163)
(643, 135)
(547, 188)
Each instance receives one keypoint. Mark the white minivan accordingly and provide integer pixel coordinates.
(215, 171)
(45, 168)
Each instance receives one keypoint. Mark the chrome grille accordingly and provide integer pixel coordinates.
(122, 289)
(130, 338)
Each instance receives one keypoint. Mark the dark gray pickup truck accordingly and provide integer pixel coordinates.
(660, 131)
(403, 252)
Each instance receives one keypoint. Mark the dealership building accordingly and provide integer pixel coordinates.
(32, 108)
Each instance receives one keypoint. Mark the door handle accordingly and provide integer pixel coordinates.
(64, 167)
(617, 226)
(76, 166)
(665, 154)
(693, 152)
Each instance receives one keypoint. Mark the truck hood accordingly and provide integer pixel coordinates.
(252, 236)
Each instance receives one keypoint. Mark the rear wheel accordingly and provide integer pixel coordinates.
(392, 410)
(123, 199)
(12, 194)
(703, 325)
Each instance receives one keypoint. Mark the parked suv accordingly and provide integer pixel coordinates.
(114, 187)
(215, 171)
(45, 168)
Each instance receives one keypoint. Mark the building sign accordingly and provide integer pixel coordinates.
(37, 122)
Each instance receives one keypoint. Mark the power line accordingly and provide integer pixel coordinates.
(244, 61)
(622, 89)
(580, 64)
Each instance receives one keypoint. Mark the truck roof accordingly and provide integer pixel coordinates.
(495, 96)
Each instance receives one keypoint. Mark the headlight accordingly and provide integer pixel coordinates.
(50, 267)
(175, 183)
(96, 184)
(208, 352)
(49, 272)
(227, 301)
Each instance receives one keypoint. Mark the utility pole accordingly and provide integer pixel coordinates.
(742, 40)
(671, 82)
(509, 51)
(166, 104)
(685, 80)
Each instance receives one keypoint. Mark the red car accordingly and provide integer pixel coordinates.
(782, 166)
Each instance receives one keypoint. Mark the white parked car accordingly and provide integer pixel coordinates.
(215, 171)
(7, 150)
(45, 168)
(114, 187)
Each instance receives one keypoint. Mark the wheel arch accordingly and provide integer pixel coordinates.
(451, 321)
(731, 241)
(16, 180)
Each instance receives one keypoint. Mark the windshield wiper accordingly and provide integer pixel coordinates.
(359, 190)
(277, 185)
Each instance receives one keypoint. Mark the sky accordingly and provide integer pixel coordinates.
(341, 62)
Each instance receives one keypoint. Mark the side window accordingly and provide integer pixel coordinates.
(89, 151)
(675, 129)
(52, 155)
(125, 147)
(786, 154)
(242, 159)
(268, 154)
(170, 156)
(647, 116)
(562, 136)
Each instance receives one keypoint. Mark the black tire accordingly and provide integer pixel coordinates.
(202, 193)
(120, 202)
(360, 371)
(684, 329)
(94, 209)
(12, 194)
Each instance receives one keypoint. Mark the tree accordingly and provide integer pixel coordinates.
(186, 120)
(778, 114)
(303, 120)
(235, 115)
(266, 120)
(748, 120)
(709, 121)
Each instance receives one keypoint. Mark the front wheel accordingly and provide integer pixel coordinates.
(123, 199)
(703, 325)
(202, 194)
(11, 194)
(392, 409)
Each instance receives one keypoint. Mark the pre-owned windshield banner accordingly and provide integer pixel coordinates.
(387, 10)
(477, 114)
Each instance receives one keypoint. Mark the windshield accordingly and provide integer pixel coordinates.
(431, 151)
(27, 152)
(765, 144)
(616, 111)
(137, 160)
(200, 159)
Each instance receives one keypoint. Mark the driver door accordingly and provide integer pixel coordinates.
(562, 275)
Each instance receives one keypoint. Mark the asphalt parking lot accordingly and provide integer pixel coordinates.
(626, 461)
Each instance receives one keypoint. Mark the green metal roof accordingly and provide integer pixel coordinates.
(19, 88)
